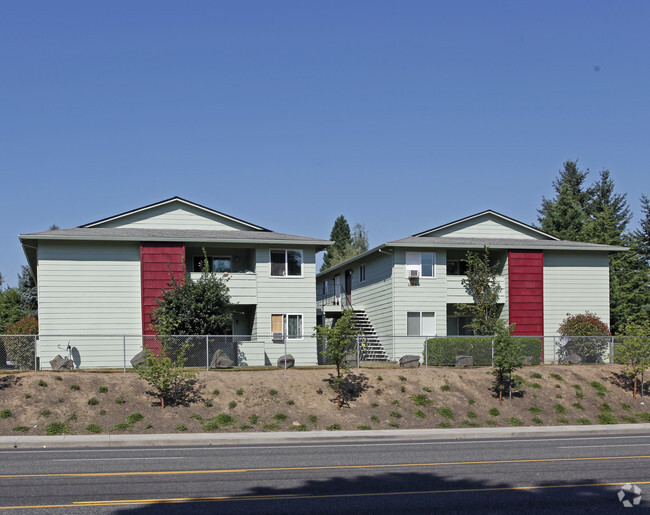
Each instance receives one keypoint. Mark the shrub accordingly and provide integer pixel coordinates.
(445, 388)
(254, 419)
(514, 421)
(494, 412)
(536, 375)
(333, 427)
(181, 427)
(42, 383)
(443, 351)
(557, 377)
(446, 412)
(536, 410)
(232, 404)
(472, 414)
(394, 423)
(426, 389)
(273, 393)
(215, 392)
(45, 413)
(208, 404)
(93, 401)
(56, 428)
(419, 399)
(420, 414)
(626, 407)
(444, 424)
(224, 419)
(471, 401)
(20, 348)
(402, 378)
(133, 418)
(364, 428)
(240, 392)
(469, 423)
(280, 417)
(102, 412)
(164, 371)
(6, 413)
(643, 416)
(119, 400)
(75, 387)
(103, 389)
(290, 402)
(606, 418)
(558, 408)
(58, 378)
(537, 420)
(589, 332)
(395, 414)
(402, 389)
(579, 406)
(60, 400)
(374, 419)
(20, 429)
(94, 428)
(584, 421)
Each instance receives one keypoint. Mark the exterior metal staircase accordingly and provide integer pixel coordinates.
(371, 347)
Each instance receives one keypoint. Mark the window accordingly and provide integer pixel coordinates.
(215, 263)
(362, 273)
(286, 263)
(456, 267)
(420, 323)
(287, 325)
(458, 326)
(423, 264)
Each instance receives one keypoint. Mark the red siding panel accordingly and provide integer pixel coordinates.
(526, 291)
(158, 261)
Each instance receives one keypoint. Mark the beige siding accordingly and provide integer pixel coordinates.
(88, 289)
(573, 283)
(487, 226)
(175, 216)
(286, 295)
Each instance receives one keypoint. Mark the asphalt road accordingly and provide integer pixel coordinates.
(516, 475)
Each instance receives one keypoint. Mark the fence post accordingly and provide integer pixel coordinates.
(124, 351)
(35, 353)
(611, 350)
(426, 353)
(393, 347)
(492, 364)
(284, 337)
(358, 354)
(207, 352)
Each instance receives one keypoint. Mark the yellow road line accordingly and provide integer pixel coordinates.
(131, 502)
(326, 467)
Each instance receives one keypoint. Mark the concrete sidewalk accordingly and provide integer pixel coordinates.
(207, 439)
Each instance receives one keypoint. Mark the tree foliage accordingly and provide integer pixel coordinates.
(598, 214)
(585, 335)
(11, 308)
(346, 244)
(339, 343)
(481, 283)
(508, 355)
(634, 352)
(27, 290)
(20, 348)
(166, 374)
(198, 307)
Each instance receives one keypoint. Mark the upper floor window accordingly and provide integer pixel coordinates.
(215, 263)
(362, 273)
(286, 263)
(420, 264)
(456, 267)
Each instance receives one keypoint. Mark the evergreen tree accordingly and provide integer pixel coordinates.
(641, 236)
(342, 238)
(608, 213)
(564, 216)
(27, 290)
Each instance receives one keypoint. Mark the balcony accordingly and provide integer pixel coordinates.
(241, 285)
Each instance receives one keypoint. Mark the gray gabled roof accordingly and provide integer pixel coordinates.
(179, 235)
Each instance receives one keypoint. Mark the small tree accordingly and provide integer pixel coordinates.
(634, 353)
(339, 343)
(165, 374)
(508, 356)
(481, 284)
(590, 332)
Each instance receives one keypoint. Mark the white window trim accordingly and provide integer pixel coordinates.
(286, 264)
(435, 318)
(285, 325)
(418, 267)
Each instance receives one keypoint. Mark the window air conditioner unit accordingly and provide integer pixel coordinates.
(277, 336)
(414, 274)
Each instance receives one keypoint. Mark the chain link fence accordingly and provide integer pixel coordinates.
(91, 352)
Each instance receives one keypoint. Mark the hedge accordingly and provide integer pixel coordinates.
(443, 351)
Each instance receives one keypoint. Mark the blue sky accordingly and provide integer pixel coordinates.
(399, 115)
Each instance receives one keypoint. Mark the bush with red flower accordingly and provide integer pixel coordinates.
(585, 335)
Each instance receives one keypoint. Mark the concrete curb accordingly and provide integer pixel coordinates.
(215, 439)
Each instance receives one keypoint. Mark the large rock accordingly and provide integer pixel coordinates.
(571, 359)
(139, 358)
(286, 361)
(61, 363)
(221, 360)
(464, 361)
(409, 361)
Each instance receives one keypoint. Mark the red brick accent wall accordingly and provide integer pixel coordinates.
(526, 291)
(157, 262)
